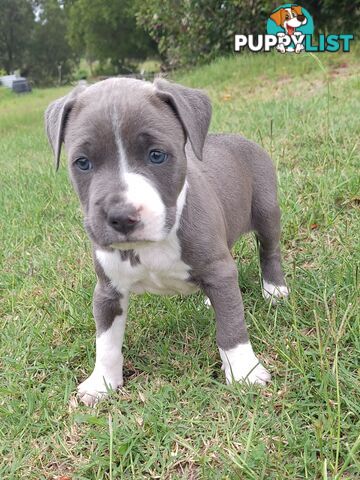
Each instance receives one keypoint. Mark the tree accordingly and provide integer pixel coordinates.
(16, 22)
(50, 56)
(107, 30)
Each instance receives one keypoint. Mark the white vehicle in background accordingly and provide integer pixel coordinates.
(16, 83)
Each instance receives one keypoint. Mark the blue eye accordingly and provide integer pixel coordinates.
(83, 164)
(157, 157)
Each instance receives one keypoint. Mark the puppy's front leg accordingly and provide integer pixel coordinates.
(239, 361)
(110, 308)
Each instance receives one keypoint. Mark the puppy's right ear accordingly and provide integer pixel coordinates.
(276, 16)
(56, 116)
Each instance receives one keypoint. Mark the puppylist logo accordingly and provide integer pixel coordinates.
(290, 28)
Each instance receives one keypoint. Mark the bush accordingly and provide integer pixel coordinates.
(188, 32)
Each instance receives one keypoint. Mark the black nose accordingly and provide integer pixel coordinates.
(124, 220)
(301, 18)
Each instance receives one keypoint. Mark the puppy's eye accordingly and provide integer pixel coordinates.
(157, 157)
(83, 164)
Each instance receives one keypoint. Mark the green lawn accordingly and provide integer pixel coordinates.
(175, 418)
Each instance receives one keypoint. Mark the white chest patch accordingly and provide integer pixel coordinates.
(160, 270)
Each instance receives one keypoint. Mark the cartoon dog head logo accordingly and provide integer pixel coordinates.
(290, 28)
(290, 19)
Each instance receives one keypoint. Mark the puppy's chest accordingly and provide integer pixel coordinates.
(157, 269)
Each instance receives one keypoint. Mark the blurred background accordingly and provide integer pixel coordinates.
(54, 42)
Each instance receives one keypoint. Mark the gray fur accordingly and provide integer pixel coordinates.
(55, 121)
(193, 109)
(106, 300)
(231, 192)
(131, 256)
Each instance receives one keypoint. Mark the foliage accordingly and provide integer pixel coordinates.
(50, 55)
(188, 32)
(16, 21)
(44, 38)
(194, 31)
(107, 30)
(38, 37)
(33, 39)
(335, 16)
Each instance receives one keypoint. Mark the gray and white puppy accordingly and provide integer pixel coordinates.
(164, 202)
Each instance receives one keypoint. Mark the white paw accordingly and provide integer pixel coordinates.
(274, 292)
(207, 302)
(299, 47)
(241, 364)
(96, 387)
(257, 375)
(281, 48)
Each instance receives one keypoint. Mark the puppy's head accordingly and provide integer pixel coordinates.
(125, 141)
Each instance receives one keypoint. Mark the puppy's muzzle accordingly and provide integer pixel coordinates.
(123, 221)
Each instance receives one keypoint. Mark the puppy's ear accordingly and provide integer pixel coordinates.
(193, 109)
(276, 16)
(56, 116)
(297, 9)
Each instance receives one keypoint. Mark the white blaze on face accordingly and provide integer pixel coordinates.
(119, 145)
(116, 124)
(144, 197)
(140, 193)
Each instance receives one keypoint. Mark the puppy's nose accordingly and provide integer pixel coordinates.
(301, 18)
(124, 220)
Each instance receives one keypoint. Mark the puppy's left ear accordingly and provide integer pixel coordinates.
(192, 107)
(56, 116)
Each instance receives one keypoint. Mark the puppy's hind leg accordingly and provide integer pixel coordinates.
(268, 235)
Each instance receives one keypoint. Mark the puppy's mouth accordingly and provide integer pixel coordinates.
(290, 30)
(130, 245)
(130, 241)
(107, 238)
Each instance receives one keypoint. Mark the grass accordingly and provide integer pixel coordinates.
(175, 418)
